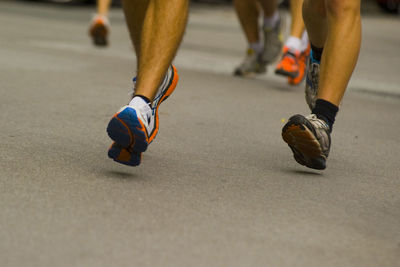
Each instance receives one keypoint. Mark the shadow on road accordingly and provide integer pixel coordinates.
(307, 173)
(120, 175)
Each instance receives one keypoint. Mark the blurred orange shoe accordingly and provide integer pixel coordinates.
(99, 29)
(302, 62)
(293, 65)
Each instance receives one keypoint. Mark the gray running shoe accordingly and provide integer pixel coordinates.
(312, 79)
(309, 139)
(251, 65)
(273, 42)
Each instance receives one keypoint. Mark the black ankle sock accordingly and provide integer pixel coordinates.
(144, 98)
(316, 52)
(325, 111)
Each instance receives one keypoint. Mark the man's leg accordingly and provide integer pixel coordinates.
(269, 7)
(297, 24)
(156, 28)
(272, 30)
(340, 46)
(296, 49)
(334, 28)
(134, 15)
(248, 13)
(100, 26)
(103, 6)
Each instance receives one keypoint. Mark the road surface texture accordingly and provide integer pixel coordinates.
(218, 187)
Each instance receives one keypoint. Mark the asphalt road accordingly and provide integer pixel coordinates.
(218, 187)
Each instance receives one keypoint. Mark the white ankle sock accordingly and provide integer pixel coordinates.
(304, 41)
(294, 44)
(270, 22)
(137, 101)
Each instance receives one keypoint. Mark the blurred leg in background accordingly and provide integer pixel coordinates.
(261, 50)
(99, 27)
(296, 49)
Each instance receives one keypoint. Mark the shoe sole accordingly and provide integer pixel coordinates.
(305, 147)
(99, 35)
(286, 73)
(249, 74)
(129, 132)
(123, 156)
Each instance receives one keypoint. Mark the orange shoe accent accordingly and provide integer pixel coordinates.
(169, 91)
(124, 156)
(293, 65)
(288, 66)
(302, 65)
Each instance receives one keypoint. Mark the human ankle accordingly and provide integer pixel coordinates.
(325, 111)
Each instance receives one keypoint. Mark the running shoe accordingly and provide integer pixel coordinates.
(124, 155)
(302, 61)
(312, 80)
(251, 65)
(99, 29)
(273, 42)
(293, 65)
(309, 139)
(136, 125)
(289, 65)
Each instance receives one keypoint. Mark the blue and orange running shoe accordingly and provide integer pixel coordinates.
(136, 125)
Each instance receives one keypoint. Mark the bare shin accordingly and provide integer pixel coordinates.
(341, 39)
(156, 28)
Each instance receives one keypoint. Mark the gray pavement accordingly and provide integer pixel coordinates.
(218, 187)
